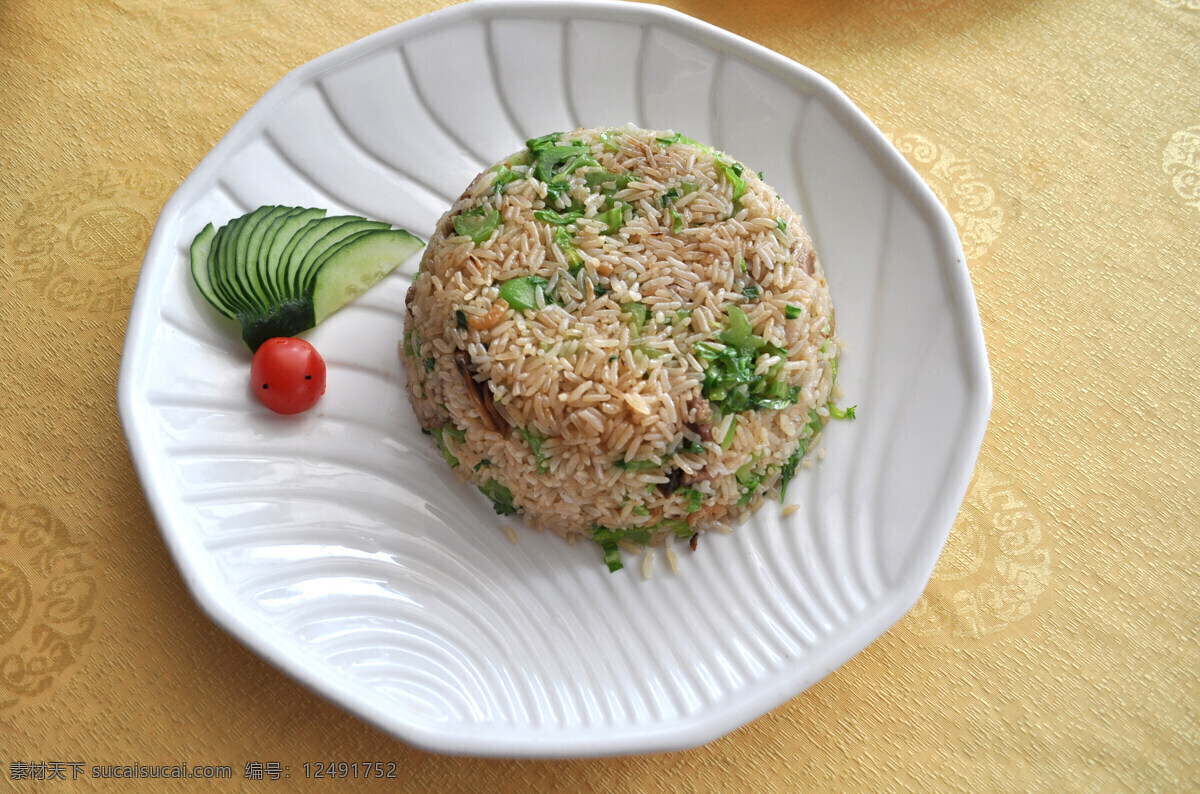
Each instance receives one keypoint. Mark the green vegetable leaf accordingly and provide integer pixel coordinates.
(727, 442)
(478, 224)
(460, 318)
(636, 465)
(733, 172)
(791, 312)
(566, 243)
(598, 179)
(670, 195)
(679, 526)
(502, 498)
(535, 443)
(838, 413)
(536, 145)
(612, 218)
(694, 498)
(676, 220)
(521, 293)
(481, 464)
(556, 218)
(781, 224)
(607, 538)
(737, 327)
(439, 435)
(638, 313)
(503, 177)
(752, 292)
(640, 510)
(678, 138)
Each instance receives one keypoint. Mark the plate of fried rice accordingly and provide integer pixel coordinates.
(670, 417)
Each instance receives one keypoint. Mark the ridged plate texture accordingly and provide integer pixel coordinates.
(339, 546)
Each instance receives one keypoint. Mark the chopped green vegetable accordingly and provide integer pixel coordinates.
(595, 179)
(679, 526)
(612, 218)
(544, 142)
(478, 224)
(502, 498)
(460, 318)
(607, 538)
(789, 468)
(733, 172)
(683, 314)
(481, 464)
(638, 312)
(727, 441)
(556, 218)
(752, 292)
(640, 510)
(737, 327)
(535, 443)
(686, 188)
(439, 435)
(503, 177)
(781, 224)
(838, 413)
(566, 243)
(730, 379)
(521, 293)
(610, 141)
(430, 363)
(669, 196)
(678, 138)
(676, 220)
(833, 366)
(791, 312)
(694, 498)
(692, 446)
(742, 263)
(749, 480)
(636, 465)
(408, 345)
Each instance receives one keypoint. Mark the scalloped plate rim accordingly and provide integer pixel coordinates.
(704, 726)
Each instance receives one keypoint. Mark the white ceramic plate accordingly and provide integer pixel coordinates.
(337, 544)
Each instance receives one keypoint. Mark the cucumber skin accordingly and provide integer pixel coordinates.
(290, 318)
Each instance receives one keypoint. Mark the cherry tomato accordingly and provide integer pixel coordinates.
(287, 375)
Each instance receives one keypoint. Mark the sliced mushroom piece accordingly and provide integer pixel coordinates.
(481, 395)
(674, 480)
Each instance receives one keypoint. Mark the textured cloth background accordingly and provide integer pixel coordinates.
(1057, 646)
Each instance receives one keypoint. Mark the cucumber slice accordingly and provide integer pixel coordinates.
(199, 254)
(307, 238)
(264, 248)
(254, 238)
(270, 268)
(241, 250)
(225, 289)
(357, 266)
(286, 234)
(304, 270)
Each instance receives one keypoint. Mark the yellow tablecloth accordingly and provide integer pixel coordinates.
(1057, 646)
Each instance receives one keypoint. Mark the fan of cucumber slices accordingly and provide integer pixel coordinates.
(278, 271)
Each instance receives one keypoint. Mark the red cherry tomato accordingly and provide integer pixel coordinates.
(287, 375)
